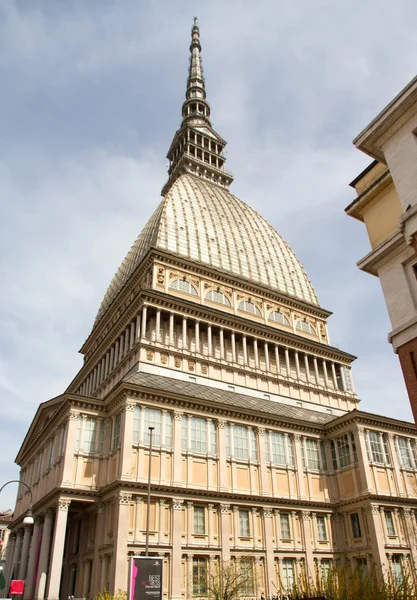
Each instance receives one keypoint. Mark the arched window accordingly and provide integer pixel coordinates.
(249, 307)
(219, 297)
(306, 327)
(278, 317)
(182, 285)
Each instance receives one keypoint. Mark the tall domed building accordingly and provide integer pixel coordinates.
(211, 333)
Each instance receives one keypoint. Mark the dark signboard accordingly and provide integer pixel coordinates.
(145, 578)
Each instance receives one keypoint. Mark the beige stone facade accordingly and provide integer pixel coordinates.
(386, 202)
(211, 333)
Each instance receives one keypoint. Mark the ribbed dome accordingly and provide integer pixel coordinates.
(207, 224)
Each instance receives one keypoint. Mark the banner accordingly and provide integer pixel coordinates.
(145, 578)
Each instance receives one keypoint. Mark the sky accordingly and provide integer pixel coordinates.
(91, 98)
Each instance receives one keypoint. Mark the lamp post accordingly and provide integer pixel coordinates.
(28, 520)
(150, 429)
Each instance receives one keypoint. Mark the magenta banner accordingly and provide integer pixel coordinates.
(145, 578)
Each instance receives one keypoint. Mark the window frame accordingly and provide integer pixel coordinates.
(355, 525)
(199, 520)
(190, 291)
(244, 523)
(243, 307)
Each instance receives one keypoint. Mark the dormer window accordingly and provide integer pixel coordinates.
(305, 327)
(184, 286)
(219, 297)
(277, 317)
(249, 307)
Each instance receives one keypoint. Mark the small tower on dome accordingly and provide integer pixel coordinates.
(197, 148)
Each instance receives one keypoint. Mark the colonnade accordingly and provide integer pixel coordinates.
(195, 337)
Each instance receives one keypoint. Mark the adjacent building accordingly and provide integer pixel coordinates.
(387, 203)
(212, 333)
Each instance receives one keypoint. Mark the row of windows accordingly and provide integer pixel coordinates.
(182, 285)
(356, 524)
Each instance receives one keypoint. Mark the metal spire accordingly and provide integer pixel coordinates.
(196, 148)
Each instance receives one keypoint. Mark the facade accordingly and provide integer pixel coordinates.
(211, 332)
(387, 203)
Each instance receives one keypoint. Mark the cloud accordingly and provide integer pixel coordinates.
(91, 98)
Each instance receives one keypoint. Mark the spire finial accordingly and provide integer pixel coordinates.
(196, 147)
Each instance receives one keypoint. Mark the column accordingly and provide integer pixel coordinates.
(316, 370)
(98, 541)
(25, 552)
(394, 458)
(184, 333)
(222, 469)
(233, 338)
(245, 350)
(334, 376)
(266, 350)
(121, 525)
(68, 466)
(235, 526)
(221, 343)
(299, 466)
(209, 340)
(277, 363)
(209, 524)
(307, 364)
(297, 365)
(262, 460)
(158, 325)
(176, 557)
(254, 528)
(306, 532)
(161, 521)
(363, 462)
(255, 352)
(197, 337)
(171, 329)
(57, 551)
(270, 575)
(189, 523)
(17, 552)
(44, 557)
(287, 362)
(143, 327)
(177, 449)
(138, 320)
(112, 361)
(132, 334)
(189, 575)
(126, 438)
(106, 365)
(122, 347)
(116, 353)
(376, 535)
(127, 341)
(326, 378)
(224, 531)
(30, 573)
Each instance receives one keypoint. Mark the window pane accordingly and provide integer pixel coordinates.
(244, 530)
(168, 430)
(376, 447)
(288, 573)
(136, 422)
(89, 434)
(153, 418)
(356, 528)
(390, 522)
(278, 449)
(198, 435)
(246, 572)
(213, 438)
(184, 436)
(240, 442)
(227, 438)
(285, 526)
(253, 448)
(321, 528)
(313, 460)
(199, 520)
(199, 576)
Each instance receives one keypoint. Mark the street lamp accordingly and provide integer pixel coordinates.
(28, 520)
(149, 491)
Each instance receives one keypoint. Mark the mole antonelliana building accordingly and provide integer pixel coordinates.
(210, 332)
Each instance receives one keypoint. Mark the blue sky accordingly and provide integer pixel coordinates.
(91, 97)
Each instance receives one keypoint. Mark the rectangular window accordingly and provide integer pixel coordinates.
(116, 431)
(313, 456)
(278, 449)
(397, 570)
(199, 520)
(153, 418)
(356, 526)
(136, 425)
(326, 565)
(198, 435)
(227, 439)
(321, 528)
(389, 520)
(377, 451)
(78, 434)
(288, 574)
(89, 435)
(404, 452)
(348, 379)
(247, 578)
(213, 438)
(284, 521)
(168, 430)
(199, 576)
(240, 442)
(343, 451)
(64, 430)
(244, 528)
(184, 423)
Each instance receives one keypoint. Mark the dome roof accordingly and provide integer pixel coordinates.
(207, 224)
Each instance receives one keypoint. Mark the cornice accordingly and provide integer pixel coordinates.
(380, 422)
